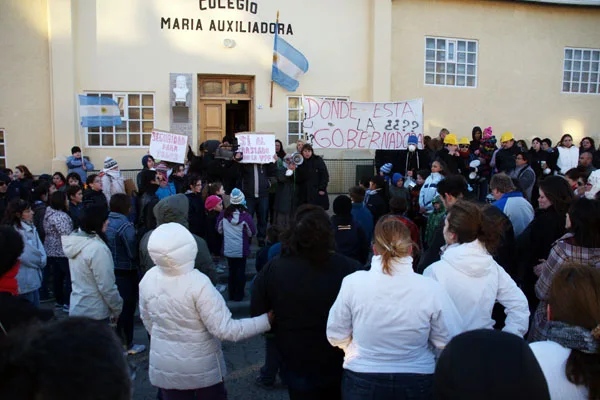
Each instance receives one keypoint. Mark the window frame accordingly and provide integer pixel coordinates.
(300, 133)
(455, 46)
(3, 144)
(571, 71)
(126, 119)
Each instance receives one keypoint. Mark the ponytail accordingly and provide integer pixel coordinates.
(469, 223)
(391, 240)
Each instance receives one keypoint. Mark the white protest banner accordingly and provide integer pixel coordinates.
(166, 146)
(257, 148)
(331, 124)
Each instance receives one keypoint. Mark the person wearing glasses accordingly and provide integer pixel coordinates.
(524, 174)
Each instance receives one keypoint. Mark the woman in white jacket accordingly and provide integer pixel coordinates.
(470, 275)
(186, 316)
(389, 320)
(429, 189)
(568, 155)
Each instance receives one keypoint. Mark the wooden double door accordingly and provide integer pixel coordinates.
(225, 106)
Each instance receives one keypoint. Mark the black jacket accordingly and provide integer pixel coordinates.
(253, 175)
(301, 295)
(39, 212)
(455, 163)
(350, 238)
(378, 205)
(311, 177)
(412, 161)
(224, 171)
(214, 241)
(506, 159)
(197, 214)
(94, 198)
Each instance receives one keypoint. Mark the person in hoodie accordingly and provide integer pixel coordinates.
(121, 240)
(397, 188)
(94, 290)
(197, 213)
(475, 144)
(376, 198)
(112, 181)
(93, 195)
(511, 202)
(186, 318)
(435, 219)
(350, 238)
(166, 187)
(147, 164)
(33, 259)
(360, 212)
(76, 163)
(429, 189)
(473, 280)
(237, 227)
(58, 223)
(412, 159)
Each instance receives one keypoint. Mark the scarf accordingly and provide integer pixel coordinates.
(573, 337)
(8, 281)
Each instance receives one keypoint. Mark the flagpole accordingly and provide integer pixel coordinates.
(79, 127)
(274, 40)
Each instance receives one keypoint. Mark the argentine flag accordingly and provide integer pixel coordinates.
(288, 65)
(98, 111)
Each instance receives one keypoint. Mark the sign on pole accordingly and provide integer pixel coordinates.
(332, 124)
(257, 148)
(166, 146)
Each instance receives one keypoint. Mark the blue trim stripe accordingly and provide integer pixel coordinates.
(288, 51)
(284, 80)
(96, 101)
(92, 122)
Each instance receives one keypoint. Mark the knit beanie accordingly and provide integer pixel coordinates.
(237, 197)
(211, 202)
(412, 139)
(110, 163)
(386, 168)
(342, 205)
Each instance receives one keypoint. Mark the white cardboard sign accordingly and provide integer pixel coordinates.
(257, 148)
(166, 146)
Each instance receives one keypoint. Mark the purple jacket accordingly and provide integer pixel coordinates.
(237, 232)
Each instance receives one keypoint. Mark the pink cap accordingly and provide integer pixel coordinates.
(211, 202)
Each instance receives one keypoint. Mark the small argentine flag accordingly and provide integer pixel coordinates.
(98, 111)
(288, 65)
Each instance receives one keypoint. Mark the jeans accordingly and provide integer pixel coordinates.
(127, 284)
(236, 282)
(62, 279)
(268, 372)
(215, 392)
(260, 206)
(363, 386)
(326, 393)
(32, 297)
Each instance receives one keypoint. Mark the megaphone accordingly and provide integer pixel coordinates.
(474, 171)
(297, 159)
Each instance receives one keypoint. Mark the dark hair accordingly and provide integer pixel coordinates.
(454, 185)
(12, 246)
(398, 205)
(25, 171)
(574, 299)
(61, 176)
(535, 139)
(72, 190)
(120, 203)
(557, 190)
(281, 152)
(574, 173)
(469, 223)
(502, 183)
(563, 138)
(424, 173)
(232, 208)
(273, 233)
(443, 166)
(92, 218)
(585, 222)
(475, 130)
(58, 201)
(379, 181)
(90, 179)
(211, 189)
(308, 146)
(74, 175)
(146, 176)
(364, 181)
(40, 188)
(75, 149)
(525, 155)
(357, 194)
(15, 206)
(547, 141)
(310, 235)
(38, 358)
(592, 142)
(193, 179)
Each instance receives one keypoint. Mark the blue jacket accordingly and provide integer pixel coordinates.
(163, 192)
(74, 165)
(121, 241)
(363, 216)
(517, 209)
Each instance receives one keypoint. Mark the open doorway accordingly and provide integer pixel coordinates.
(237, 116)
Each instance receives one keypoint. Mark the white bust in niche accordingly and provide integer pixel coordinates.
(181, 90)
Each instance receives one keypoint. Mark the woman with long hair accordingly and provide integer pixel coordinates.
(570, 358)
(59, 181)
(22, 184)
(300, 287)
(568, 154)
(94, 290)
(587, 144)
(580, 245)
(58, 223)
(73, 179)
(388, 330)
(473, 279)
(547, 226)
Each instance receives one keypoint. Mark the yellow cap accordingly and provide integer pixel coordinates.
(451, 139)
(464, 140)
(506, 136)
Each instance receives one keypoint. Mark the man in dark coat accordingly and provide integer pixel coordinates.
(507, 155)
(312, 179)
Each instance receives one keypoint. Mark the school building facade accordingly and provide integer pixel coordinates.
(531, 67)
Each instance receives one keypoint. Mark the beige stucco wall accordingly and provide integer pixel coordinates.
(521, 47)
(118, 45)
(25, 83)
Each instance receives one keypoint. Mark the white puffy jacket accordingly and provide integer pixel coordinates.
(567, 158)
(475, 282)
(185, 315)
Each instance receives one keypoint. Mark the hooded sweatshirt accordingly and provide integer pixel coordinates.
(474, 282)
(112, 183)
(175, 209)
(237, 231)
(95, 294)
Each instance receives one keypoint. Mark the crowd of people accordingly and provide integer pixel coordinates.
(452, 270)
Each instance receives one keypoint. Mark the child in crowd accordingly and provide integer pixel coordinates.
(237, 227)
(360, 213)
(429, 189)
(73, 179)
(434, 219)
(385, 171)
(213, 206)
(94, 194)
(376, 198)
(166, 187)
(77, 164)
(397, 188)
(213, 189)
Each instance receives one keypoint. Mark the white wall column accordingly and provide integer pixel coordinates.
(381, 50)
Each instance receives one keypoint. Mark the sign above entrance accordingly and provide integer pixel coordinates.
(166, 146)
(239, 24)
(330, 124)
(257, 148)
